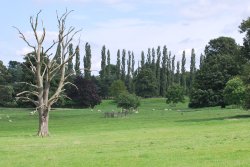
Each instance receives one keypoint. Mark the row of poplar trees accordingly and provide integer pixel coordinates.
(156, 71)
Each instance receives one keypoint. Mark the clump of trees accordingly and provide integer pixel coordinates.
(220, 63)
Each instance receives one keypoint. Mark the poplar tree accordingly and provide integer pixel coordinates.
(87, 61)
(158, 70)
(70, 63)
(123, 73)
(132, 72)
(153, 61)
(164, 72)
(128, 77)
(173, 70)
(142, 59)
(77, 64)
(183, 71)
(178, 77)
(108, 64)
(118, 65)
(202, 57)
(58, 54)
(192, 69)
(169, 73)
(103, 63)
(133, 65)
(149, 56)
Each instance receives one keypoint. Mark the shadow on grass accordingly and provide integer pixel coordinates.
(236, 117)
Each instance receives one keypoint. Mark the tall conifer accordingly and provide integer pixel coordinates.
(118, 65)
(77, 64)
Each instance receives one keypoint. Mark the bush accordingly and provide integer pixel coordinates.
(127, 101)
(175, 94)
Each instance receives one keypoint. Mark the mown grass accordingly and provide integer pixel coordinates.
(158, 135)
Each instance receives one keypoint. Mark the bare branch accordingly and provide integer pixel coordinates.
(30, 84)
(50, 47)
(24, 39)
(35, 93)
(28, 100)
(28, 68)
(69, 83)
(33, 68)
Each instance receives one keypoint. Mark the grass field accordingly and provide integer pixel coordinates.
(154, 137)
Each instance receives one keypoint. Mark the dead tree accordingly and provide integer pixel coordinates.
(45, 67)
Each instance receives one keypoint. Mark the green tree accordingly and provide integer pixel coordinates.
(145, 83)
(70, 63)
(6, 89)
(117, 87)
(169, 74)
(14, 73)
(87, 61)
(245, 28)
(58, 54)
(142, 58)
(173, 70)
(164, 72)
(183, 71)
(175, 94)
(153, 64)
(118, 65)
(103, 63)
(218, 67)
(234, 92)
(178, 75)
(158, 70)
(192, 70)
(246, 103)
(133, 65)
(77, 64)
(108, 64)
(7, 96)
(128, 101)
(149, 57)
(202, 57)
(128, 77)
(123, 67)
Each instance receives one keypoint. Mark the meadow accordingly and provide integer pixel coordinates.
(159, 135)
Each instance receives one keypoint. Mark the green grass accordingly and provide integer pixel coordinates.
(156, 136)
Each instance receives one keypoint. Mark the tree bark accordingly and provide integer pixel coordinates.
(43, 128)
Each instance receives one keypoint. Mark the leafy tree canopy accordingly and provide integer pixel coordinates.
(175, 94)
(234, 91)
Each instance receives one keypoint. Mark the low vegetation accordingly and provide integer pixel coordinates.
(158, 135)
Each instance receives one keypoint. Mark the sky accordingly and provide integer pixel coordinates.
(133, 25)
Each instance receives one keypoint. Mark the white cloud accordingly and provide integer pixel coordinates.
(23, 51)
(49, 36)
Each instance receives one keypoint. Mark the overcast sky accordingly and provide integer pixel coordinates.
(133, 25)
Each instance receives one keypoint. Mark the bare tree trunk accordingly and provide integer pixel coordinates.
(43, 128)
(45, 68)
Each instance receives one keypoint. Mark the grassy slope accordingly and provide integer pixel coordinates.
(154, 137)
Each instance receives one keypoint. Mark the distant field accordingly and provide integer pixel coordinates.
(156, 136)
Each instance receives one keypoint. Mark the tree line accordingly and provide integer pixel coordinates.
(156, 73)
